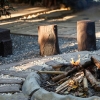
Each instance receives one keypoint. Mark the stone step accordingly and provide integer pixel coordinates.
(21, 74)
(16, 96)
(10, 88)
(10, 81)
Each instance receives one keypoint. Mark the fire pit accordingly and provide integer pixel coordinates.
(74, 82)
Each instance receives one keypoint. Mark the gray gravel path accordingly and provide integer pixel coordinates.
(26, 47)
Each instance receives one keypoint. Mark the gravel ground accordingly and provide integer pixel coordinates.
(26, 47)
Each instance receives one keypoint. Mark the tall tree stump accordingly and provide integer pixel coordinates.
(48, 40)
(86, 35)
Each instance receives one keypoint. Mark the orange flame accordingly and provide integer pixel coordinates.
(75, 63)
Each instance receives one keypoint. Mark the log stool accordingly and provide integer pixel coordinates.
(48, 40)
(5, 42)
(86, 35)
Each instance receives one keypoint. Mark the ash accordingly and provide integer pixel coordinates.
(27, 47)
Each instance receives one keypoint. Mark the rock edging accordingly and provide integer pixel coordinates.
(31, 88)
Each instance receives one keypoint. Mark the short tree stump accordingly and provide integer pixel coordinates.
(48, 40)
(86, 35)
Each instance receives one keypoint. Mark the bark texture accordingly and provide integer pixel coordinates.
(86, 35)
(48, 40)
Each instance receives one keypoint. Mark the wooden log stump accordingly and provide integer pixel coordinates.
(86, 35)
(48, 40)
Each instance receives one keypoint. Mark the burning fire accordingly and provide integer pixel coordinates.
(75, 63)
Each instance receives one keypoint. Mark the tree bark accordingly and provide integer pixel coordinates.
(2, 3)
(49, 3)
(48, 40)
(86, 35)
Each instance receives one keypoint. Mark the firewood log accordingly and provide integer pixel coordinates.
(72, 71)
(98, 73)
(63, 80)
(59, 66)
(62, 87)
(65, 89)
(97, 87)
(71, 81)
(90, 77)
(96, 62)
(51, 72)
(85, 84)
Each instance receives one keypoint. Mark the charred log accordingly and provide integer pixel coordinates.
(91, 78)
(73, 70)
(95, 62)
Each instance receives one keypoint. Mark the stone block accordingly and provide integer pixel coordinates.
(5, 42)
(6, 47)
